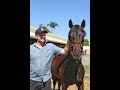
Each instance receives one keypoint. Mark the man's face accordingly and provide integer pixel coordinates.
(41, 37)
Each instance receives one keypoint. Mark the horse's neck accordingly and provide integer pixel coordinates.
(63, 60)
(69, 60)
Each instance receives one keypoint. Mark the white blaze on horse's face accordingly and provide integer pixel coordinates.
(76, 37)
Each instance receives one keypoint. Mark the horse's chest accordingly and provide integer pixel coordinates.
(69, 73)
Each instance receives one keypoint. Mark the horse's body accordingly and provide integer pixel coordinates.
(68, 70)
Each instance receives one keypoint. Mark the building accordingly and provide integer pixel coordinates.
(86, 49)
(59, 41)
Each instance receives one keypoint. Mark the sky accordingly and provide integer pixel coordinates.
(60, 11)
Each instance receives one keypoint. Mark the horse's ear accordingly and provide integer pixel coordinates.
(70, 23)
(83, 23)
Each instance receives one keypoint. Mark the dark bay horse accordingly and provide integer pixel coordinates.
(69, 70)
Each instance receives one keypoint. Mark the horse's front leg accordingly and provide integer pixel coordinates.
(59, 84)
(80, 85)
(54, 78)
(64, 86)
(80, 73)
(54, 84)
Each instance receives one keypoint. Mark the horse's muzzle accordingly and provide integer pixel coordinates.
(76, 56)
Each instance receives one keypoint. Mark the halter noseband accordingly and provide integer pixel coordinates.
(71, 51)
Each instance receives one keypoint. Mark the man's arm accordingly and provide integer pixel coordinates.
(65, 50)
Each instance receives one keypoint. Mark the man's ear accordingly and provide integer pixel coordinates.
(36, 36)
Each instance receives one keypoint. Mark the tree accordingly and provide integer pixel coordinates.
(86, 42)
(52, 25)
(44, 27)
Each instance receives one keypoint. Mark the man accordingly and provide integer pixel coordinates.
(41, 54)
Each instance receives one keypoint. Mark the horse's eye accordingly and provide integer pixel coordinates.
(72, 38)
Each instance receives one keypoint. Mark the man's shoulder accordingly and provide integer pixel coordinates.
(49, 44)
(31, 45)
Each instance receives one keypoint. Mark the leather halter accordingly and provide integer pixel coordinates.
(71, 51)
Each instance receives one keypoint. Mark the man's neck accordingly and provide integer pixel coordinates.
(39, 45)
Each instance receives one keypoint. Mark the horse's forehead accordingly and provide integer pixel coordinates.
(74, 31)
(77, 28)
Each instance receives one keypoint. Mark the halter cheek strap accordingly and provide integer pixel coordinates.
(71, 45)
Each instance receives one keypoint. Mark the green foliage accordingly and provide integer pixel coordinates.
(44, 27)
(52, 25)
(87, 69)
(86, 42)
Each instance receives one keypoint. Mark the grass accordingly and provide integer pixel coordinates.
(87, 69)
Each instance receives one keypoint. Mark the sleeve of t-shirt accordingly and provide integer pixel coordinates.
(30, 51)
(56, 49)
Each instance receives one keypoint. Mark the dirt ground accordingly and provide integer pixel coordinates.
(86, 84)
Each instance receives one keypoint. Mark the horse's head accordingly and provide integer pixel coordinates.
(76, 38)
